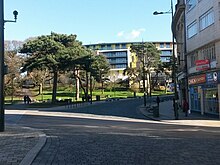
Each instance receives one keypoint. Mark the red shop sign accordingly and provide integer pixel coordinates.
(201, 62)
(197, 79)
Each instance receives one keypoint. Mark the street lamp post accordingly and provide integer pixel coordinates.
(2, 64)
(90, 81)
(144, 88)
(144, 75)
(2, 112)
(176, 114)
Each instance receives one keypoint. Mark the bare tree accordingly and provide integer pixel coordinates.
(13, 62)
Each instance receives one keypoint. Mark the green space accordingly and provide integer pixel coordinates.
(63, 93)
(68, 71)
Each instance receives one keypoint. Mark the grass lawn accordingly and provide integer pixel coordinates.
(65, 93)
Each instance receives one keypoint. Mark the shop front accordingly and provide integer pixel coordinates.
(211, 103)
(203, 93)
(195, 99)
(195, 91)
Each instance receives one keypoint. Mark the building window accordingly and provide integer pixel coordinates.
(123, 46)
(109, 47)
(117, 46)
(103, 47)
(166, 53)
(121, 60)
(206, 19)
(161, 45)
(190, 4)
(193, 58)
(167, 45)
(192, 30)
(213, 54)
(208, 53)
(165, 59)
(118, 66)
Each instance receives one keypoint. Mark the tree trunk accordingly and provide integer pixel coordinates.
(154, 84)
(80, 82)
(102, 87)
(12, 96)
(41, 91)
(77, 84)
(150, 83)
(87, 86)
(54, 87)
(90, 88)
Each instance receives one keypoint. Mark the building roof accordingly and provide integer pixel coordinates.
(110, 43)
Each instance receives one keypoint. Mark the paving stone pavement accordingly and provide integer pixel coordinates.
(115, 146)
(19, 145)
(166, 114)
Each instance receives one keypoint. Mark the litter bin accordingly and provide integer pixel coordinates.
(156, 111)
(97, 97)
(68, 101)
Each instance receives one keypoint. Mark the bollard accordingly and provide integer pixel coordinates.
(156, 111)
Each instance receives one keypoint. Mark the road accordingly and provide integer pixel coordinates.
(117, 133)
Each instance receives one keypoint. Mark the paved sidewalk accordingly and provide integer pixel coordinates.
(20, 145)
(166, 114)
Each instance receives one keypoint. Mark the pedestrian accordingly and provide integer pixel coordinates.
(83, 98)
(158, 101)
(185, 107)
(25, 99)
(89, 98)
(175, 108)
(28, 99)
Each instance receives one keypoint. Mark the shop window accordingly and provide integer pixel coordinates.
(211, 101)
(195, 99)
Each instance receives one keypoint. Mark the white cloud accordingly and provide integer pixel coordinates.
(135, 33)
(120, 34)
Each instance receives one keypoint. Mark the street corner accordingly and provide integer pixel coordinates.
(20, 144)
(148, 113)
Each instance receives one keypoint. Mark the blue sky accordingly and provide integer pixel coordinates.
(93, 21)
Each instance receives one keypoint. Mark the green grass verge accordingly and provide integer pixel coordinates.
(65, 93)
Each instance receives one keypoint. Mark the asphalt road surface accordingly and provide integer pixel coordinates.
(117, 133)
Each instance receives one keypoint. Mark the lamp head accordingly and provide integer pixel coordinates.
(15, 13)
(155, 13)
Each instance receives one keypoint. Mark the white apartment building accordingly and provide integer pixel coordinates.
(120, 57)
